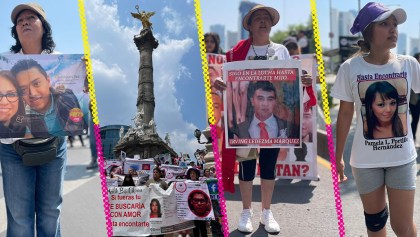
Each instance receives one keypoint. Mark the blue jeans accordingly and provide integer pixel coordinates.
(31, 191)
(92, 141)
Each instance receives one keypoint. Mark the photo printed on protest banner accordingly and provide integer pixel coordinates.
(43, 95)
(301, 163)
(215, 63)
(163, 212)
(263, 103)
(129, 210)
(193, 200)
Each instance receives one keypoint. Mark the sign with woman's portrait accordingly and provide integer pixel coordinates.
(384, 108)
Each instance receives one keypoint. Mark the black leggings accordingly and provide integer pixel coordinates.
(267, 160)
(415, 113)
(200, 228)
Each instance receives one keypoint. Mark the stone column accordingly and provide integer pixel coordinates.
(145, 43)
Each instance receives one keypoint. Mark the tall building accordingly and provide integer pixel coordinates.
(244, 8)
(414, 46)
(220, 30)
(232, 39)
(110, 135)
(402, 43)
(345, 22)
(334, 28)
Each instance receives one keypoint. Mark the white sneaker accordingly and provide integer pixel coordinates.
(267, 219)
(245, 223)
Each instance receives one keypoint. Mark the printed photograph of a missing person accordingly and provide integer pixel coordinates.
(264, 105)
(43, 95)
(199, 203)
(384, 107)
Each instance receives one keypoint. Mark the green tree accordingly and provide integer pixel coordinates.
(292, 30)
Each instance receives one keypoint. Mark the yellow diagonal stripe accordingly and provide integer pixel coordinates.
(204, 61)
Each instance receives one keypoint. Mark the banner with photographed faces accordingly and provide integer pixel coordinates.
(300, 162)
(173, 172)
(263, 105)
(43, 95)
(129, 210)
(163, 212)
(215, 63)
(193, 200)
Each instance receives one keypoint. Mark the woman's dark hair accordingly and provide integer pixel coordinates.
(386, 91)
(17, 126)
(159, 170)
(364, 44)
(26, 64)
(416, 56)
(216, 39)
(128, 181)
(197, 172)
(47, 40)
(154, 200)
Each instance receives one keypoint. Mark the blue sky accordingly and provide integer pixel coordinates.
(179, 86)
(410, 27)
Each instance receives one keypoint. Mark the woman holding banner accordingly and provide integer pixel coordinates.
(39, 195)
(212, 41)
(381, 166)
(258, 21)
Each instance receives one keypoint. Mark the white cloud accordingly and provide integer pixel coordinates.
(172, 20)
(115, 66)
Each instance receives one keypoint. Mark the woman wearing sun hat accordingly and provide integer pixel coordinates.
(258, 22)
(386, 165)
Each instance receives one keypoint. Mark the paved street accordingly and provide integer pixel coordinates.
(82, 213)
(302, 208)
(305, 208)
(352, 206)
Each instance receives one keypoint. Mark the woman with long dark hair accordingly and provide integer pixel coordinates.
(12, 117)
(381, 103)
(155, 209)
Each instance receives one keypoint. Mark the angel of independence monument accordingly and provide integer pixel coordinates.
(142, 138)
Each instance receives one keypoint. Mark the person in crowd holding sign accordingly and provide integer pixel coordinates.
(155, 209)
(193, 174)
(385, 165)
(49, 109)
(196, 205)
(39, 181)
(12, 115)
(381, 104)
(157, 179)
(258, 21)
(212, 41)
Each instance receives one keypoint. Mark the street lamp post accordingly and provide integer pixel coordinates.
(209, 157)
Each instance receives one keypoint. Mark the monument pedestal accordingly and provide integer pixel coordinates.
(143, 139)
